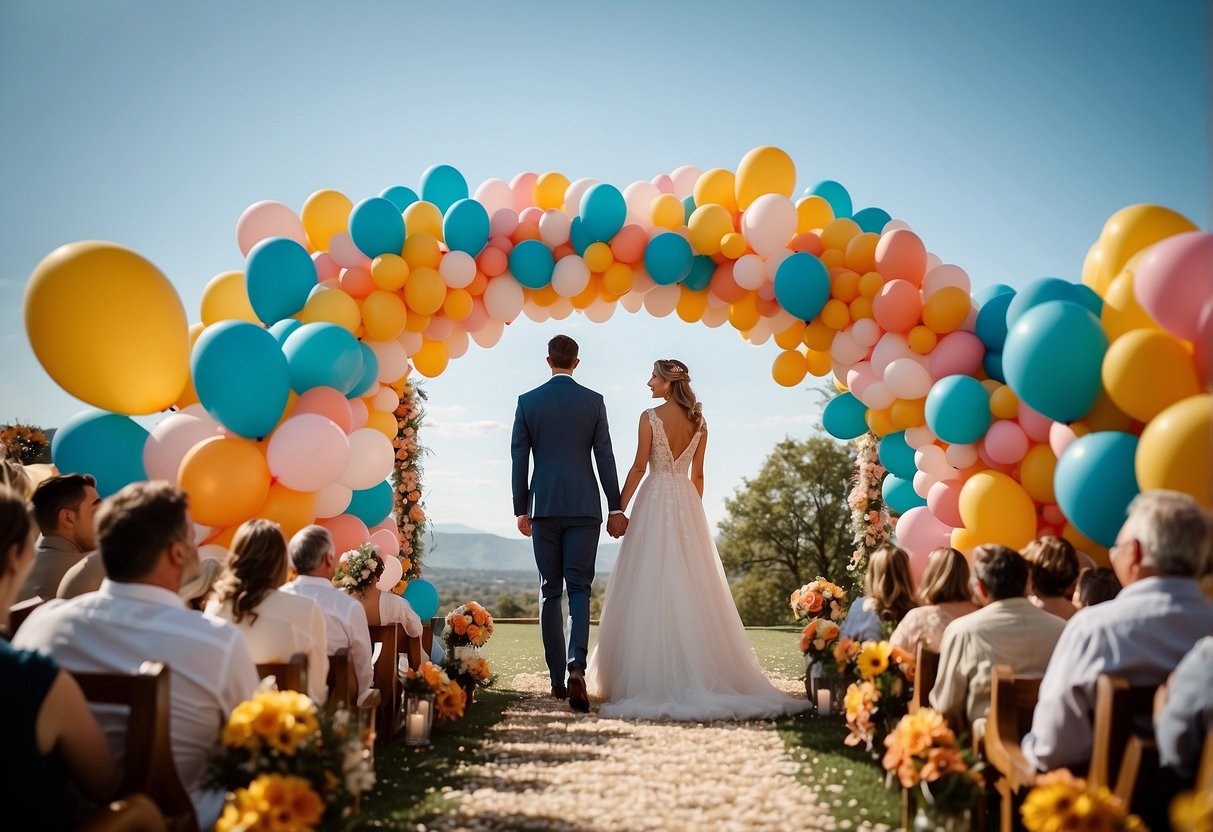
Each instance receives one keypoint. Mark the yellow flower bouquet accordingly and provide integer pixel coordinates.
(1061, 801)
(273, 802)
(923, 751)
(876, 702)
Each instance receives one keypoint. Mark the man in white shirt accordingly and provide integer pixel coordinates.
(1009, 630)
(1141, 634)
(65, 508)
(315, 559)
(146, 542)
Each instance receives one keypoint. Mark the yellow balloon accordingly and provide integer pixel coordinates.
(908, 413)
(844, 285)
(432, 358)
(291, 510)
(691, 305)
(820, 363)
(389, 271)
(598, 257)
(668, 212)
(922, 339)
(764, 170)
(1036, 473)
(227, 480)
(225, 298)
(833, 258)
(861, 252)
(108, 327)
(385, 423)
(996, 509)
(458, 304)
(1105, 415)
(332, 306)
(860, 308)
(733, 245)
(790, 368)
(819, 336)
(839, 233)
(708, 226)
(1175, 449)
(1148, 370)
(1004, 404)
(324, 214)
(549, 190)
(946, 310)
(618, 278)
(422, 218)
(1094, 271)
(835, 314)
(813, 212)
(383, 315)
(716, 187)
(870, 284)
(1121, 311)
(881, 422)
(744, 314)
(964, 540)
(1130, 230)
(425, 291)
(189, 395)
(1086, 545)
(421, 251)
(792, 337)
(416, 322)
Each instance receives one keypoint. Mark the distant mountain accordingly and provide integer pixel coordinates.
(454, 546)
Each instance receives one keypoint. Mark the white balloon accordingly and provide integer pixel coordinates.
(201, 533)
(309, 451)
(895, 225)
(641, 281)
(931, 458)
(554, 227)
(713, 315)
(411, 341)
(933, 260)
(535, 312)
(600, 311)
(922, 483)
(503, 298)
(890, 347)
(639, 197)
(489, 334)
(333, 500)
(846, 349)
(457, 343)
(919, 436)
(393, 571)
(172, 438)
(574, 193)
(386, 400)
(943, 276)
(772, 265)
(685, 177)
(662, 300)
(495, 195)
(571, 276)
(370, 462)
(457, 268)
(961, 456)
(345, 254)
(907, 379)
(213, 551)
(393, 358)
(748, 271)
(878, 396)
(769, 223)
(715, 302)
(632, 301)
(866, 332)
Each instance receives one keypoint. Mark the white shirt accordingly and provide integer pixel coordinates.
(1141, 634)
(122, 625)
(345, 624)
(286, 624)
(1188, 714)
(395, 610)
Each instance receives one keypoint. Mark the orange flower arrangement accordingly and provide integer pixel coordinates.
(880, 698)
(430, 679)
(923, 751)
(467, 624)
(818, 635)
(819, 599)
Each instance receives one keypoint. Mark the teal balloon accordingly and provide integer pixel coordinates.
(897, 456)
(323, 355)
(1089, 298)
(991, 325)
(241, 377)
(377, 227)
(531, 264)
(1095, 480)
(1037, 292)
(987, 293)
(872, 220)
(371, 505)
(900, 495)
(579, 239)
(688, 208)
(603, 211)
(835, 194)
(802, 285)
(422, 597)
(958, 409)
(369, 379)
(466, 227)
(1052, 359)
(702, 269)
(443, 185)
(400, 196)
(991, 362)
(107, 446)
(668, 258)
(843, 417)
(284, 328)
(279, 275)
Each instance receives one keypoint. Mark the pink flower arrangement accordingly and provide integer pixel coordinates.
(869, 517)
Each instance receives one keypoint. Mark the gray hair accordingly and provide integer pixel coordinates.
(1172, 529)
(308, 548)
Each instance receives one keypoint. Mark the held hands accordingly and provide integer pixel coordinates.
(617, 525)
(524, 525)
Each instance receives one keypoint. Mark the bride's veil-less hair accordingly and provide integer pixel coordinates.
(679, 377)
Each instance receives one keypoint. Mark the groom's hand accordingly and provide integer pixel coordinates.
(524, 525)
(617, 525)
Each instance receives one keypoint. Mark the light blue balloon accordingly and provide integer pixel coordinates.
(400, 196)
(1052, 359)
(422, 597)
(579, 239)
(985, 294)
(603, 212)
(1037, 292)
(899, 494)
(688, 208)
(377, 227)
(531, 264)
(835, 194)
(702, 269)
(370, 373)
(371, 505)
(323, 355)
(897, 456)
(443, 185)
(466, 227)
(991, 325)
(802, 285)
(872, 220)
(1095, 480)
(279, 275)
(107, 446)
(843, 417)
(958, 409)
(283, 328)
(668, 258)
(241, 377)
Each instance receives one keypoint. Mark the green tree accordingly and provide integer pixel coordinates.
(762, 601)
(507, 606)
(791, 523)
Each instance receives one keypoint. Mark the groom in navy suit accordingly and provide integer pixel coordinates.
(561, 423)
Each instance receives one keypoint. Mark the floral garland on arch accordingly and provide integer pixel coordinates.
(407, 505)
(870, 520)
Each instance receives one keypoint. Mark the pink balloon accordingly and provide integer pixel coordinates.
(664, 183)
(1175, 280)
(531, 214)
(328, 403)
(1203, 344)
(347, 530)
(918, 565)
(898, 307)
(477, 317)
(523, 186)
(370, 460)
(983, 453)
(957, 353)
(308, 452)
(393, 570)
(503, 223)
(358, 413)
(859, 377)
(1006, 442)
(1053, 514)
(900, 255)
(388, 543)
(1037, 427)
(889, 348)
(922, 483)
(440, 328)
(919, 531)
(943, 276)
(1060, 437)
(944, 502)
(345, 253)
(906, 378)
(265, 219)
(171, 439)
(357, 283)
(326, 266)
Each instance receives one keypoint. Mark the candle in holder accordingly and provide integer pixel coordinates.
(423, 708)
(414, 730)
(823, 701)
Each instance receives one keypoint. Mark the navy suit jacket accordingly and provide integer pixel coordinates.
(561, 423)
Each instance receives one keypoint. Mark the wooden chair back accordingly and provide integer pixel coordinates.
(289, 675)
(926, 668)
(427, 637)
(148, 766)
(20, 611)
(1012, 703)
(387, 682)
(1121, 710)
(342, 683)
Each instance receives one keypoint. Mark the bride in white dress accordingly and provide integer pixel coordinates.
(670, 643)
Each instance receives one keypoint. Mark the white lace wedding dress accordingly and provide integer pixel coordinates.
(671, 644)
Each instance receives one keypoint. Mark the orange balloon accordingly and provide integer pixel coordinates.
(844, 285)
(691, 305)
(861, 252)
(792, 337)
(818, 336)
(385, 423)
(292, 510)
(227, 480)
(820, 363)
(458, 304)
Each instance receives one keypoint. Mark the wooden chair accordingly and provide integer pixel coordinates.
(20, 611)
(342, 682)
(148, 766)
(289, 675)
(1012, 703)
(926, 668)
(1121, 710)
(387, 680)
(133, 813)
(427, 638)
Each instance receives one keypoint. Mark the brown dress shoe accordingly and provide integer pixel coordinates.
(579, 700)
(560, 692)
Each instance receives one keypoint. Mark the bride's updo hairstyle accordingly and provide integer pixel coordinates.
(680, 392)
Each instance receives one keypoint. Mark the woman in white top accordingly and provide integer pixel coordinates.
(945, 595)
(276, 624)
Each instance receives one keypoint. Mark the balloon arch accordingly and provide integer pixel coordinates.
(1002, 414)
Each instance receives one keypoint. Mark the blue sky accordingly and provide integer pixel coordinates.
(1005, 134)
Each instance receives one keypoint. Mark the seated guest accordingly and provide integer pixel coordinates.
(1188, 715)
(48, 736)
(945, 597)
(888, 594)
(146, 540)
(276, 624)
(1008, 629)
(1095, 585)
(381, 607)
(1140, 634)
(14, 477)
(1052, 572)
(197, 592)
(64, 507)
(311, 553)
